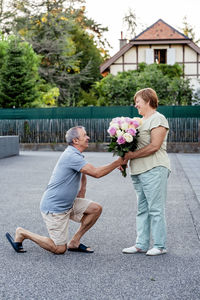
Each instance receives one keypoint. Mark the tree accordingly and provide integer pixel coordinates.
(19, 75)
(3, 49)
(93, 29)
(188, 30)
(49, 36)
(131, 23)
(179, 90)
(87, 50)
(70, 57)
(7, 13)
(116, 90)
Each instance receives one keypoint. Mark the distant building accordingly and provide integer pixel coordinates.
(159, 43)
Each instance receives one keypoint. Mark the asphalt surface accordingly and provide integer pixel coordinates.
(107, 274)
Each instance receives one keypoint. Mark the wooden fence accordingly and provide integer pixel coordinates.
(53, 130)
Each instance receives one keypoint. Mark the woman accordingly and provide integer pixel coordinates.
(149, 169)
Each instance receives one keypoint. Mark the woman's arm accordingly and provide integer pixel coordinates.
(157, 137)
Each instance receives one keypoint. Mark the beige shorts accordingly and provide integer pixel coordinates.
(57, 224)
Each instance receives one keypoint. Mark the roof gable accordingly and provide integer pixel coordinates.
(157, 34)
(160, 31)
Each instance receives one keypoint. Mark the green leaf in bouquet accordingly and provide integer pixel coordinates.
(120, 153)
(126, 149)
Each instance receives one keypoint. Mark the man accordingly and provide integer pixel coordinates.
(64, 199)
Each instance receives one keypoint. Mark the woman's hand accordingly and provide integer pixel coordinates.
(129, 155)
(157, 137)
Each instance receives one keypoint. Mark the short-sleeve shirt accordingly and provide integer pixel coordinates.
(160, 157)
(64, 183)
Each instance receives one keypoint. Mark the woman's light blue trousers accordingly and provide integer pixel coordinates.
(151, 190)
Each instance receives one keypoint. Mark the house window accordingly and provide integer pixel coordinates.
(160, 56)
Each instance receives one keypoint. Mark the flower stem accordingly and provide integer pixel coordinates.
(124, 170)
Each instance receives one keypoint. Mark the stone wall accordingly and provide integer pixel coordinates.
(9, 146)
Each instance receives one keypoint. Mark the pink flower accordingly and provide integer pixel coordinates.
(132, 131)
(139, 120)
(128, 120)
(116, 120)
(121, 140)
(135, 123)
(112, 131)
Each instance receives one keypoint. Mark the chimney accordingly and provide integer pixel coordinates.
(122, 41)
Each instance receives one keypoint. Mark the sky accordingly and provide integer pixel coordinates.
(110, 13)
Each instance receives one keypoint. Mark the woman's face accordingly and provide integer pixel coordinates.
(141, 106)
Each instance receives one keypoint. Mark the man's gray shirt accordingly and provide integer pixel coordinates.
(64, 183)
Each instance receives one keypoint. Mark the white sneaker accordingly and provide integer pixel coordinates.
(156, 251)
(133, 250)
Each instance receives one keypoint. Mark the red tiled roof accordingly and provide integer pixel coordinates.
(160, 31)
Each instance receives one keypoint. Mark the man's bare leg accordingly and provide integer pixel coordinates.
(44, 242)
(90, 217)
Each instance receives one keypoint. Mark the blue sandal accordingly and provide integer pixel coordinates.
(81, 248)
(17, 246)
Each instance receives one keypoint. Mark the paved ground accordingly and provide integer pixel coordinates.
(107, 274)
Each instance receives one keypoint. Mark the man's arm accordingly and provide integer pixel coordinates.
(103, 170)
(82, 191)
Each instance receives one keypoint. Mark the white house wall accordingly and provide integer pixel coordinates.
(190, 55)
(130, 67)
(190, 69)
(117, 66)
(142, 53)
(114, 69)
(129, 60)
(119, 60)
(178, 53)
(130, 56)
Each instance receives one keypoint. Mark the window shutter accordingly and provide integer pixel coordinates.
(171, 56)
(149, 56)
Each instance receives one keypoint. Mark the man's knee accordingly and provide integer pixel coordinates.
(94, 208)
(61, 249)
(97, 209)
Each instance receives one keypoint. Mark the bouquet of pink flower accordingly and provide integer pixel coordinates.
(123, 133)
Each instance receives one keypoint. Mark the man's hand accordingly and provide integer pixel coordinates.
(122, 161)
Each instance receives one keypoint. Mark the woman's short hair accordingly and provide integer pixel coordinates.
(148, 95)
(72, 133)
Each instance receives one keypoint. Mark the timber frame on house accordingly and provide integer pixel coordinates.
(159, 43)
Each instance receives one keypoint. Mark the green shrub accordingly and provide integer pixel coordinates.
(166, 80)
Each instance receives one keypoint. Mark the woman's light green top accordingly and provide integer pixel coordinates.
(160, 157)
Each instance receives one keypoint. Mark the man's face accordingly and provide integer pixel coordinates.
(82, 141)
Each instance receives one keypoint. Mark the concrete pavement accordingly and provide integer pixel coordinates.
(107, 274)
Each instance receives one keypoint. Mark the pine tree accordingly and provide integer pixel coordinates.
(19, 75)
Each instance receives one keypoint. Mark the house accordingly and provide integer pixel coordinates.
(160, 43)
